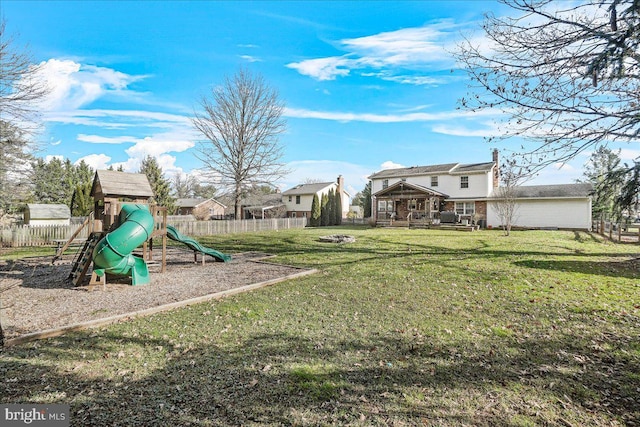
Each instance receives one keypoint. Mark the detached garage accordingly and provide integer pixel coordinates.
(566, 206)
(42, 214)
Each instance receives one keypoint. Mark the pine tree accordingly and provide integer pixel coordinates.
(50, 183)
(330, 207)
(316, 212)
(338, 208)
(160, 186)
(324, 211)
(82, 202)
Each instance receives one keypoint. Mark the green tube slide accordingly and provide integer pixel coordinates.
(113, 255)
(174, 234)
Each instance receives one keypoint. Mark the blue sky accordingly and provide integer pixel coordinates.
(367, 85)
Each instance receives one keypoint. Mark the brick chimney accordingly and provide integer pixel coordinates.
(496, 168)
(340, 182)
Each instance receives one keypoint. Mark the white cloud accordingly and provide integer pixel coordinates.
(159, 144)
(324, 68)
(380, 118)
(250, 58)
(457, 130)
(416, 48)
(629, 154)
(73, 85)
(96, 161)
(96, 139)
(391, 165)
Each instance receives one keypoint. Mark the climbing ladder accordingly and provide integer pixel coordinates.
(88, 223)
(83, 259)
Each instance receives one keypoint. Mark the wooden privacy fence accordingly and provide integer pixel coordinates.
(24, 235)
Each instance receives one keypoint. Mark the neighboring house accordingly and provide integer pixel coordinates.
(465, 191)
(44, 214)
(201, 209)
(263, 206)
(298, 199)
(549, 206)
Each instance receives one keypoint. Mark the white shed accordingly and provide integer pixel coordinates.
(36, 214)
(566, 206)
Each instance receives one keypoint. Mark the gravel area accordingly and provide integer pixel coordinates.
(44, 299)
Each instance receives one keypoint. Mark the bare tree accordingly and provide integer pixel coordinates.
(241, 121)
(183, 186)
(566, 74)
(20, 87)
(20, 92)
(505, 197)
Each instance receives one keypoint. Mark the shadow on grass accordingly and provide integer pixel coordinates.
(627, 268)
(280, 379)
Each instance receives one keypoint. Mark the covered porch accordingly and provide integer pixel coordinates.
(404, 204)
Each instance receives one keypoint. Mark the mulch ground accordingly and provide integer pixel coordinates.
(41, 298)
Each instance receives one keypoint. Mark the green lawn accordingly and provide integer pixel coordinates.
(403, 327)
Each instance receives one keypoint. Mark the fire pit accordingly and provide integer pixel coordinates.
(337, 238)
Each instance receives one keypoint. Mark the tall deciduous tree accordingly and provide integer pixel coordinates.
(159, 185)
(183, 185)
(20, 93)
(241, 121)
(21, 89)
(565, 74)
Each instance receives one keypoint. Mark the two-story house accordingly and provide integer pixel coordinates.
(298, 199)
(467, 192)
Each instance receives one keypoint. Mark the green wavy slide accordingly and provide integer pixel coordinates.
(174, 234)
(113, 255)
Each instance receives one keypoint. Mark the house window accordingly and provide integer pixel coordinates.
(465, 208)
(385, 183)
(464, 182)
(293, 214)
(297, 200)
(434, 181)
(290, 198)
(382, 205)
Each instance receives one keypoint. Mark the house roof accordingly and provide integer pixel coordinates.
(402, 185)
(193, 202)
(262, 200)
(453, 168)
(48, 211)
(414, 170)
(471, 168)
(114, 183)
(307, 188)
(553, 191)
